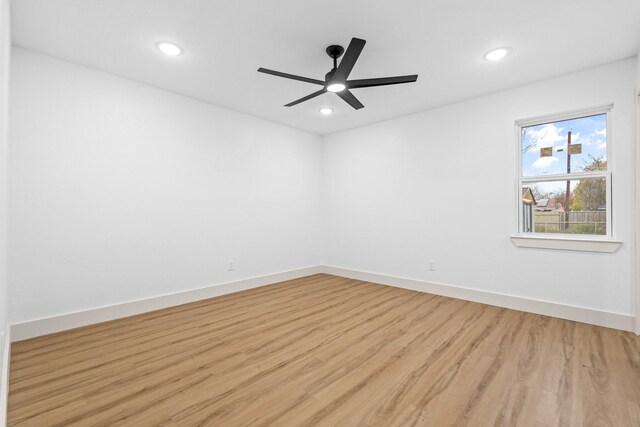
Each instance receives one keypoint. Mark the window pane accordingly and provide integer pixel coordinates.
(545, 147)
(546, 209)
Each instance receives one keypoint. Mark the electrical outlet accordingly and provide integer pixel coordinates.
(231, 265)
(432, 265)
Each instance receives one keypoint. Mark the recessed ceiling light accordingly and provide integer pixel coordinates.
(170, 49)
(326, 111)
(336, 87)
(497, 54)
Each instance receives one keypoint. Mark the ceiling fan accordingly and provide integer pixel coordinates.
(336, 80)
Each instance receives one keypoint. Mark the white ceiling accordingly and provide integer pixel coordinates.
(226, 41)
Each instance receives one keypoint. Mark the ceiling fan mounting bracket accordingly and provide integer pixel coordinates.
(335, 51)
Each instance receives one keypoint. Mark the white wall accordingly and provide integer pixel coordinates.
(638, 70)
(120, 191)
(441, 185)
(637, 327)
(5, 48)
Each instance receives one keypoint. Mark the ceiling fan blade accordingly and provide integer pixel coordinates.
(306, 98)
(349, 59)
(350, 99)
(382, 81)
(290, 76)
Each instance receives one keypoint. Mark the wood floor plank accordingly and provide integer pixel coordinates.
(325, 350)
(191, 353)
(119, 329)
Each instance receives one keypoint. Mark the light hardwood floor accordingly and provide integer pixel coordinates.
(325, 350)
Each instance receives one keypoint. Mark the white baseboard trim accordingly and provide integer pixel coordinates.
(44, 326)
(4, 384)
(49, 325)
(580, 314)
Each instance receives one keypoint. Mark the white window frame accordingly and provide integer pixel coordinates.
(580, 242)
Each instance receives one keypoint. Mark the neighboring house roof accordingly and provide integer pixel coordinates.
(542, 203)
(527, 196)
(550, 204)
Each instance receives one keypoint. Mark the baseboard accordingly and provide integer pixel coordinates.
(38, 327)
(580, 314)
(4, 385)
(49, 325)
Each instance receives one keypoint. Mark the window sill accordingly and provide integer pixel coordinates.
(566, 244)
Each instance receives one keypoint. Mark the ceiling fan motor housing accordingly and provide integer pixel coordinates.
(329, 75)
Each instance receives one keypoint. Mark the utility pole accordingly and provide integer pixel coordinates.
(566, 194)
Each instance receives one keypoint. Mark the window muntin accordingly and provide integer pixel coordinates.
(559, 157)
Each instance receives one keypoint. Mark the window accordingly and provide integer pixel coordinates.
(565, 180)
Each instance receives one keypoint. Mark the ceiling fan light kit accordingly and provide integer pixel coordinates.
(335, 87)
(335, 81)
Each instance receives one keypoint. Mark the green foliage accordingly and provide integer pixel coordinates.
(588, 228)
(593, 228)
(591, 194)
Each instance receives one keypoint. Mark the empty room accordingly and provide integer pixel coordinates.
(346, 213)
